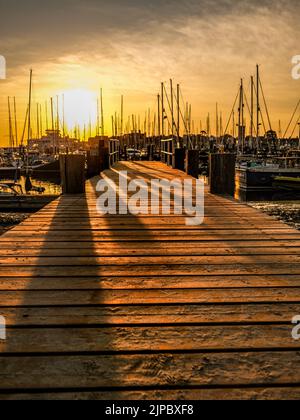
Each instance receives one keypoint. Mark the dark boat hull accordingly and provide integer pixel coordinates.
(10, 173)
(258, 185)
(25, 202)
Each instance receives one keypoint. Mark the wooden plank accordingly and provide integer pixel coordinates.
(150, 282)
(133, 261)
(143, 237)
(156, 229)
(131, 249)
(274, 313)
(149, 270)
(220, 394)
(179, 370)
(151, 339)
(146, 297)
(94, 245)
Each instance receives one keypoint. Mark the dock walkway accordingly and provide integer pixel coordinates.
(125, 307)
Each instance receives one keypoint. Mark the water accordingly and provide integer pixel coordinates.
(288, 212)
(51, 188)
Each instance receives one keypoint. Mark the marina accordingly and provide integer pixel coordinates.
(150, 203)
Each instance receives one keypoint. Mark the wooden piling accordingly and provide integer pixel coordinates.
(179, 159)
(98, 156)
(94, 158)
(72, 169)
(222, 173)
(150, 149)
(192, 163)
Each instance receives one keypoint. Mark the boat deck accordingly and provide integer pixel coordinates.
(144, 307)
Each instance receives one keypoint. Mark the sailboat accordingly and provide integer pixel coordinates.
(266, 174)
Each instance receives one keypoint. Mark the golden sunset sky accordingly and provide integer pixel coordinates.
(129, 46)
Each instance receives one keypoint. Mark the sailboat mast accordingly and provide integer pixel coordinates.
(98, 118)
(252, 107)
(52, 121)
(258, 102)
(64, 122)
(29, 108)
(37, 121)
(233, 124)
(102, 112)
(57, 116)
(10, 125)
(217, 121)
(41, 121)
(52, 115)
(242, 117)
(162, 110)
(122, 115)
(46, 112)
(172, 106)
(159, 115)
(178, 111)
(16, 123)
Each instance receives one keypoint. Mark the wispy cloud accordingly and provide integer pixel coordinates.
(131, 45)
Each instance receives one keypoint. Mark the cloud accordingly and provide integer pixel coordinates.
(131, 45)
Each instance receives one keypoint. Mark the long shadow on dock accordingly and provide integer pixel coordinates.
(61, 328)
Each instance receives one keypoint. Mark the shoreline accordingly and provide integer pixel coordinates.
(9, 220)
(287, 212)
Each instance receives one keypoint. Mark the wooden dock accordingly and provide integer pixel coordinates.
(125, 307)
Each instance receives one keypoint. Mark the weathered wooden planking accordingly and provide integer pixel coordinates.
(274, 313)
(146, 297)
(145, 236)
(96, 245)
(219, 394)
(149, 270)
(150, 247)
(73, 281)
(147, 260)
(142, 250)
(70, 249)
(148, 282)
(168, 370)
(139, 226)
(147, 339)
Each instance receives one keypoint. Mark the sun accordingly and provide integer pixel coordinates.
(80, 107)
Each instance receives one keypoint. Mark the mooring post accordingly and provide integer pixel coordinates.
(222, 173)
(179, 158)
(104, 157)
(72, 169)
(93, 158)
(192, 163)
(150, 149)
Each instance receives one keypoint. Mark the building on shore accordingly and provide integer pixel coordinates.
(54, 143)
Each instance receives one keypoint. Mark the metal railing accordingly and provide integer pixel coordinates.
(168, 151)
(114, 152)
